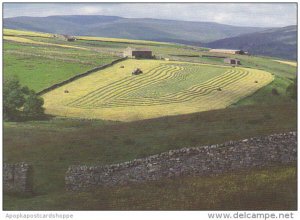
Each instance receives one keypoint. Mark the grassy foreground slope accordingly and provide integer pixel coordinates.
(51, 146)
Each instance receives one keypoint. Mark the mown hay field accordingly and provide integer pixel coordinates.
(164, 88)
(120, 40)
(29, 41)
(13, 32)
(291, 63)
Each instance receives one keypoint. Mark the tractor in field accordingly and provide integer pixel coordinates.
(137, 71)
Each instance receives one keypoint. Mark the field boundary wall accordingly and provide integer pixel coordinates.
(231, 156)
(78, 76)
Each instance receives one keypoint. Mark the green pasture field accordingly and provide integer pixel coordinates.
(51, 146)
(39, 67)
(261, 189)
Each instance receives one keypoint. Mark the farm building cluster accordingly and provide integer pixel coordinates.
(232, 61)
(228, 60)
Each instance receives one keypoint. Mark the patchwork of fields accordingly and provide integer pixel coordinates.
(251, 100)
(165, 88)
(39, 64)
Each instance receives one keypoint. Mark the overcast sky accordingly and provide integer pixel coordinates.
(251, 14)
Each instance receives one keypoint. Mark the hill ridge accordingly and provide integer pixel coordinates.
(132, 28)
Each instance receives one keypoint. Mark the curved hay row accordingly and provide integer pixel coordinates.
(233, 88)
(190, 94)
(123, 93)
(126, 85)
(102, 90)
(153, 76)
(236, 91)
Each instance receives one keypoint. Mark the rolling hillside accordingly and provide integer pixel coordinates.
(276, 42)
(39, 60)
(132, 28)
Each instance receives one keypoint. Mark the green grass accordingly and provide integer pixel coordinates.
(265, 95)
(51, 146)
(260, 189)
(39, 67)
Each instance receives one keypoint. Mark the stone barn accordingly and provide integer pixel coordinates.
(232, 61)
(137, 53)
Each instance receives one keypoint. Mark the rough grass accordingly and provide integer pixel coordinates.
(51, 146)
(265, 189)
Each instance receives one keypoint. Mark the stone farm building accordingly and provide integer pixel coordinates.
(232, 61)
(227, 51)
(137, 53)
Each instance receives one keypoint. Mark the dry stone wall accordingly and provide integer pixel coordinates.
(17, 178)
(196, 161)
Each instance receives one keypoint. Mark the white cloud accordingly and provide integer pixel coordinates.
(242, 14)
(90, 10)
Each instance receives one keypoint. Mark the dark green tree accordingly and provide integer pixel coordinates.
(33, 105)
(13, 98)
(292, 89)
(20, 102)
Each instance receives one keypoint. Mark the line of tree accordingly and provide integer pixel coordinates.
(20, 102)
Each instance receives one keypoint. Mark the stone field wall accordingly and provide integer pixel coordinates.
(17, 178)
(196, 161)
